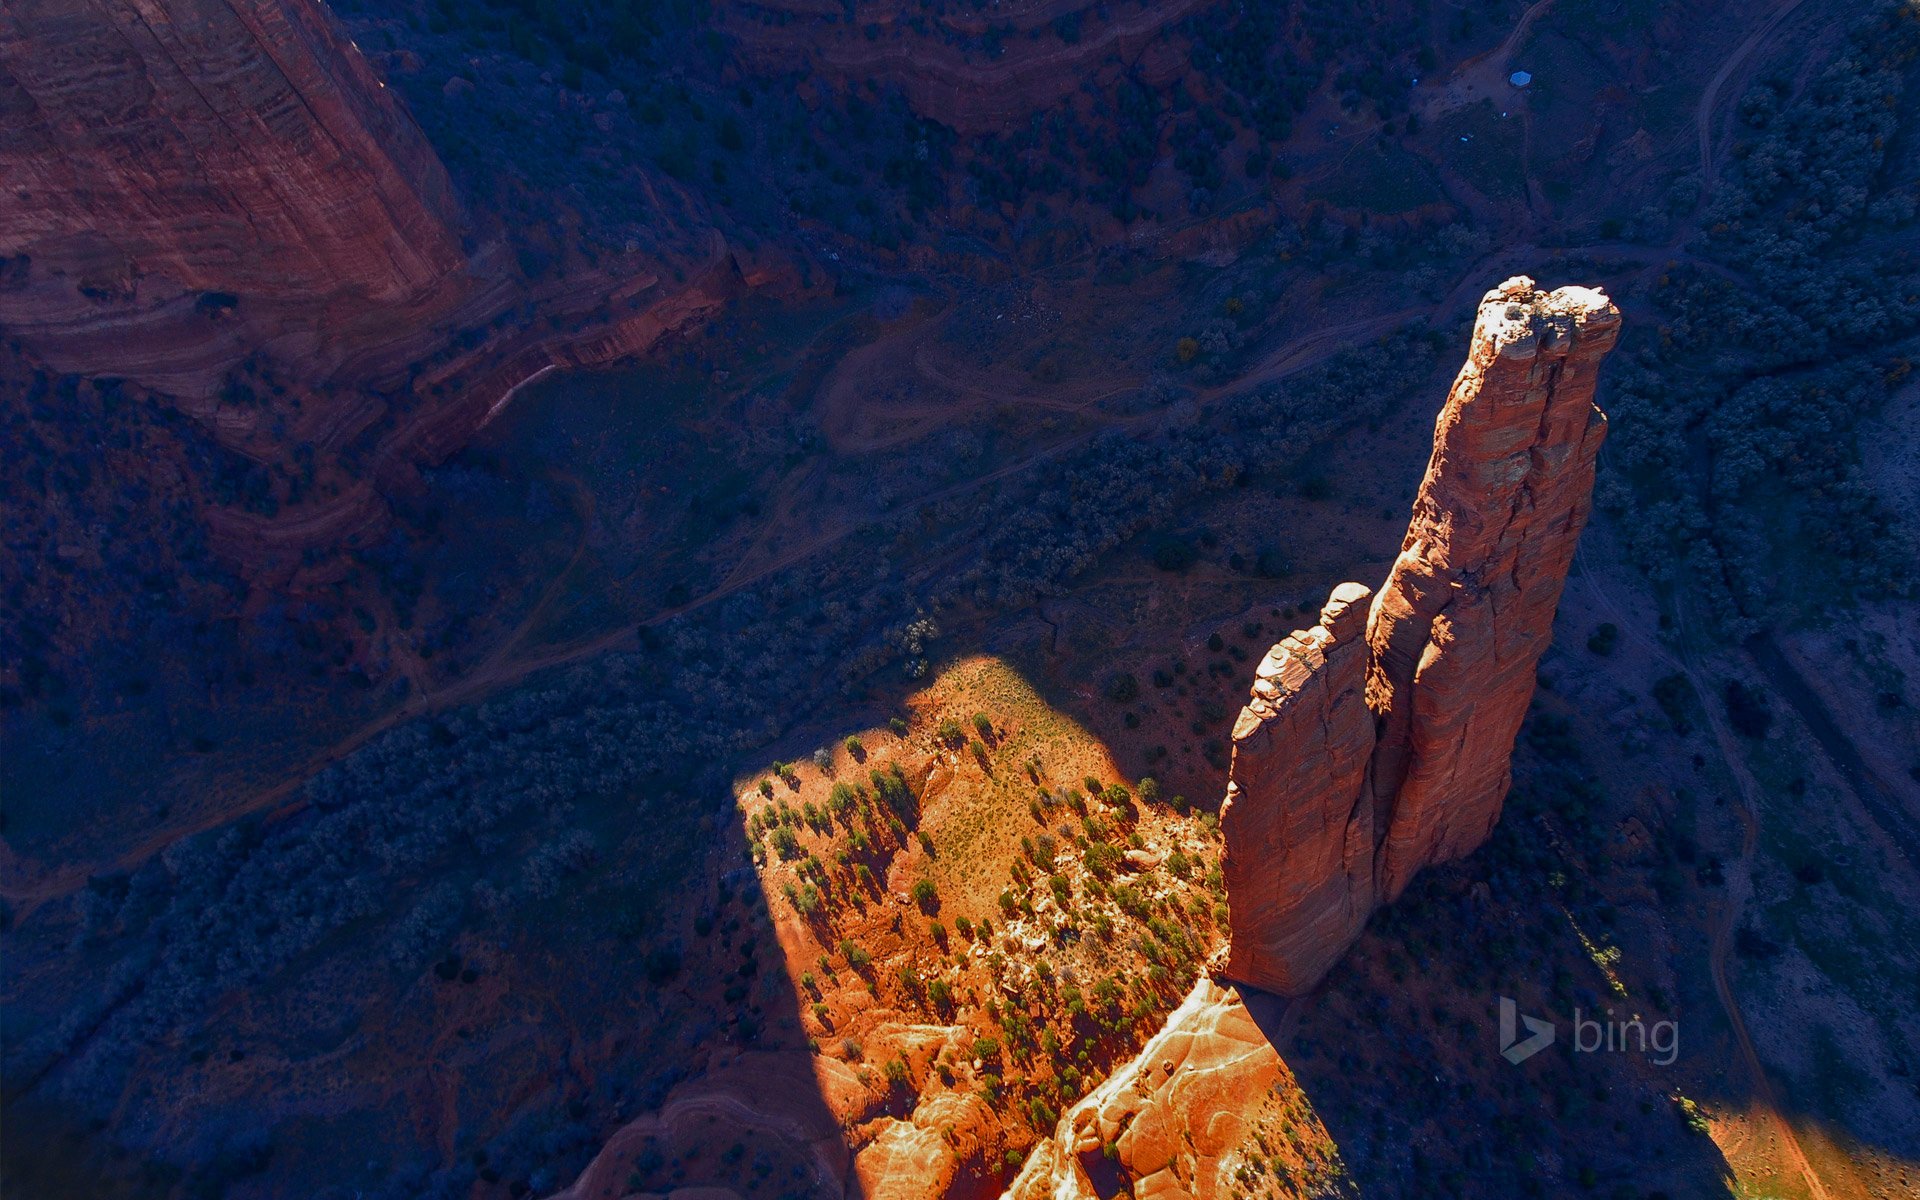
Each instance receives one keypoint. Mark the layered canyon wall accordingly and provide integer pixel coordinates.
(223, 202)
(188, 180)
(1367, 753)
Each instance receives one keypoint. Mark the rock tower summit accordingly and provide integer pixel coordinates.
(1373, 746)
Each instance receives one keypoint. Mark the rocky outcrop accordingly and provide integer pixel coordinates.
(1164, 1121)
(1300, 874)
(189, 179)
(1207, 1096)
(950, 1144)
(1334, 804)
(1467, 611)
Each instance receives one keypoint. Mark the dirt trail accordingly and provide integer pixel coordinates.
(549, 594)
(1070, 401)
(846, 411)
(1740, 881)
(1737, 894)
(1484, 74)
(1710, 99)
(1880, 801)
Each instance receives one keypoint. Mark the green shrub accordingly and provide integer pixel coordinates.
(926, 895)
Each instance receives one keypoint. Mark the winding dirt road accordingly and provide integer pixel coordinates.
(1710, 99)
(1740, 881)
(506, 666)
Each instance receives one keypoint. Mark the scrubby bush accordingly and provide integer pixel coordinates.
(925, 894)
(1735, 433)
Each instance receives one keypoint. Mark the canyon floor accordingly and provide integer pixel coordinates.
(1750, 894)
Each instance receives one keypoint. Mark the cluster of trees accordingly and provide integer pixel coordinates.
(79, 457)
(664, 90)
(1126, 483)
(856, 834)
(1256, 80)
(432, 826)
(1735, 434)
(1137, 943)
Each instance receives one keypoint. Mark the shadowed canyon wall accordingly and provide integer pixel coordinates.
(223, 201)
(1372, 747)
(182, 173)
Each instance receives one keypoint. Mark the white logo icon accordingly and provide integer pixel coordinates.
(1511, 1048)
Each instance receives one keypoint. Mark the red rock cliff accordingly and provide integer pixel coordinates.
(154, 153)
(1300, 873)
(1332, 805)
(222, 197)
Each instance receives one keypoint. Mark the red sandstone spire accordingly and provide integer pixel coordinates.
(1334, 804)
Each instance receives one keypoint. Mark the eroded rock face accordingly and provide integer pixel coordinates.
(223, 202)
(1300, 873)
(168, 163)
(1467, 611)
(1334, 804)
(1172, 1116)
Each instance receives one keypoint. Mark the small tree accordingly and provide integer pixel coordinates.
(940, 993)
(926, 895)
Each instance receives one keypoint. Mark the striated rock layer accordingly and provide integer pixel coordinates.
(1360, 760)
(223, 202)
(171, 167)
(1301, 874)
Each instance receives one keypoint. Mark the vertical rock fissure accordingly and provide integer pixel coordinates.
(1367, 753)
